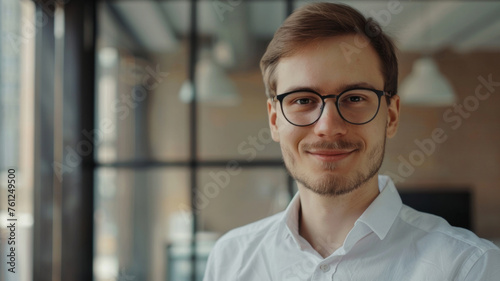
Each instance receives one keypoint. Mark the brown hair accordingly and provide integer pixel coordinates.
(322, 20)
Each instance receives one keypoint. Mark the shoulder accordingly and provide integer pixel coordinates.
(232, 251)
(457, 249)
(430, 225)
(247, 235)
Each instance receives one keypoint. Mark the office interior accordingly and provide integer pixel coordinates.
(137, 131)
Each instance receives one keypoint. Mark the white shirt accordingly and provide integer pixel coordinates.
(389, 241)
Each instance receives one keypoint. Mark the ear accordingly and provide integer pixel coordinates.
(272, 114)
(393, 117)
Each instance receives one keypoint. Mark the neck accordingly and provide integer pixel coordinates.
(325, 221)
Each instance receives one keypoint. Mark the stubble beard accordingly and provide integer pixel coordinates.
(331, 185)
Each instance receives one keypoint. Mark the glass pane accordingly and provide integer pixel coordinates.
(234, 196)
(17, 64)
(232, 113)
(141, 67)
(137, 214)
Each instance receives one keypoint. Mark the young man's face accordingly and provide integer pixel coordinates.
(332, 157)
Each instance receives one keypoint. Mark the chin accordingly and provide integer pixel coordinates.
(338, 181)
(333, 168)
(331, 186)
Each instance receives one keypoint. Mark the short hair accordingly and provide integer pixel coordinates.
(321, 21)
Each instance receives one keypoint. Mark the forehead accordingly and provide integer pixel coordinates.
(330, 64)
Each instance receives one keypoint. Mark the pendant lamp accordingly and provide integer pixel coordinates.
(426, 86)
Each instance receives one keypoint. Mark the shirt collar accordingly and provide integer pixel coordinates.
(379, 216)
(382, 212)
(291, 219)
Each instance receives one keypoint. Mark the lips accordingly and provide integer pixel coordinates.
(331, 155)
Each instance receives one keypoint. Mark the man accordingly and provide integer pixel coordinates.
(331, 79)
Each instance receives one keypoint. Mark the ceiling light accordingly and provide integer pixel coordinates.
(426, 86)
(212, 85)
(108, 56)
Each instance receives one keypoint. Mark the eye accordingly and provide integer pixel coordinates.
(354, 99)
(303, 101)
(358, 97)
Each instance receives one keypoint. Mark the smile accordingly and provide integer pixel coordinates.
(331, 155)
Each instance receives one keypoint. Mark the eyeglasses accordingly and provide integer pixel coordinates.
(356, 106)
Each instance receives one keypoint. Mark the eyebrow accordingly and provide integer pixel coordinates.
(339, 89)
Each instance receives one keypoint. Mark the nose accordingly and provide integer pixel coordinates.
(330, 123)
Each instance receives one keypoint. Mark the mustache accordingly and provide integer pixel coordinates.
(340, 144)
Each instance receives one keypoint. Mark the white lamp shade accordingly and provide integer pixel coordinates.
(212, 85)
(186, 92)
(426, 86)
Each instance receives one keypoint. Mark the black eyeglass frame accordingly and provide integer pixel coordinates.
(379, 94)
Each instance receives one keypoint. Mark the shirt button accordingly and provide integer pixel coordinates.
(324, 267)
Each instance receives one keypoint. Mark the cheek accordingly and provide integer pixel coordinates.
(374, 132)
(290, 135)
(377, 132)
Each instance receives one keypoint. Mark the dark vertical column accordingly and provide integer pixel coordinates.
(78, 124)
(142, 193)
(289, 10)
(44, 150)
(193, 129)
(289, 7)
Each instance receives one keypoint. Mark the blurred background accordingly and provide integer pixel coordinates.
(138, 129)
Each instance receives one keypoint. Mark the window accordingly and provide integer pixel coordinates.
(18, 26)
(159, 148)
